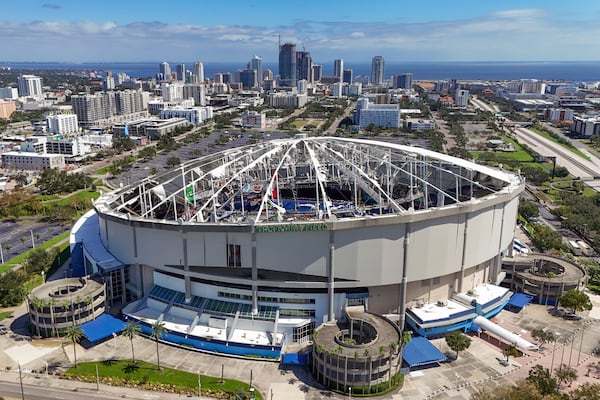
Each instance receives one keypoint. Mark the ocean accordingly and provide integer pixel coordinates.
(578, 71)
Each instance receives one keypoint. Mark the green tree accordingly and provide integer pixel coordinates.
(587, 391)
(12, 289)
(543, 336)
(528, 209)
(74, 334)
(510, 351)
(565, 374)
(39, 260)
(158, 330)
(147, 152)
(575, 300)
(132, 329)
(458, 341)
(543, 380)
(546, 238)
(173, 161)
(523, 390)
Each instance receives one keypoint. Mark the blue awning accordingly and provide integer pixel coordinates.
(102, 327)
(295, 359)
(519, 300)
(420, 351)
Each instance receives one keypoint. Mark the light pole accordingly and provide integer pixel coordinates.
(350, 392)
(32, 241)
(199, 385)
(1, 254)
(43, 277)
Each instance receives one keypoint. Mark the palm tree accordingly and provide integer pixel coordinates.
(510, 351)
(132, 329)
(74, 334)
(565, 374)
(158, 330)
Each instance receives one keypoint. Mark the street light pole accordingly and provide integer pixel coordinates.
(1, 254)
(32, 241)
(199, 385)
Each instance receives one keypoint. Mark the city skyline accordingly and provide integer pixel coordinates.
(70, 31)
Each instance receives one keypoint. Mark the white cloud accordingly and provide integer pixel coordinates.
(357, 34)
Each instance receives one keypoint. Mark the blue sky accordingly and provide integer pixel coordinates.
(399, 30)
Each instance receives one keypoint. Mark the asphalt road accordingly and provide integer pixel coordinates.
(13, 391)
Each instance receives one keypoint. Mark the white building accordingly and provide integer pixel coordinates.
(355, 89)
(30, 85)
(254, 119)
(337, 89)
(32, 161)
(62, 124)
(586, 126)
(559, 114)
(383, 115)
(172, 91)
(287, 100)
(461, 98)
(415, 124)
(195, 115)
(197, 92)
(9, 93)
(302, 85)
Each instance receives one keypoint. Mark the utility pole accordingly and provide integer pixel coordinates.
(21, 382)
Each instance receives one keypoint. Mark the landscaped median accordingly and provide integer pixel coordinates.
(145, 376)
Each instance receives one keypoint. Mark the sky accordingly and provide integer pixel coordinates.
(227, 31)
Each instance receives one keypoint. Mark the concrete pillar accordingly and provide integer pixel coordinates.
(461, 277)
(331, 277)
(186, 266)
(404, 281)
(254, 276)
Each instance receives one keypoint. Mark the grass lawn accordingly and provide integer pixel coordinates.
(5, 314)
(145, 375)
(82, 195)
(102, 170)
(21, 257)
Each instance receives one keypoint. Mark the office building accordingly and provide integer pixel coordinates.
(248, 78)
(403, 81)
(198, 72)
(62, 124)
(317, 72)
(559, 114)
(254, 119)
(172, 91)
(355, 89)
(196, 91)
(348, 75)
(194, 115)
(227, 78)
(288, 100)
(267, 75)
(7, 108)
(30, 86)
(108, 83)
(338, 69)
(181, 72)
(255, 63)
(586, 126)
(302, 86)
(218, 78)
(32, 161)
(304, 66)
(9, 93)
(287, 65)
(382, 115)
(377, 70)
(461, 98)
(97, 109)
(337, 89)
(164, 71)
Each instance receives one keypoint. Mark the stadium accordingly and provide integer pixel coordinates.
(247, 250)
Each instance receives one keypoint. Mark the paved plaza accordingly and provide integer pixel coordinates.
(476, 368)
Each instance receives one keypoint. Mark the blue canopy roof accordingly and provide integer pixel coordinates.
(102, 327)
(420, 351)
(295, 358)
(519, 300)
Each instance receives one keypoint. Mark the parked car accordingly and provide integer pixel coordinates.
(572, 317)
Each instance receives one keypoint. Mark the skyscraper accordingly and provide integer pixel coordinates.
(348, 75)
(338, 69)
(29, 85)
(303, 66)
(317, 72)
(405, 81)
(181, 72)
(377, 70)
(287, 65)
(164, 70)
(248, 78)
(198, 73)
(255, 63)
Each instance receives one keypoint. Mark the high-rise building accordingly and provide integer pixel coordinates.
(30, 85)
(267, 75)
(377, 70)
(90, 108)
(461, 98)
(9, 93)
(227, 77)
(196, 91)
(181, 72)
(287, 65)
(109, 81)
(338, 69)
(404, 81)
(304, 66)
(347, 75)
(248, 78)
(317, 72)
(63, 124)
(218, 77)
(198, 72)
(255, 63)
(164, 71)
